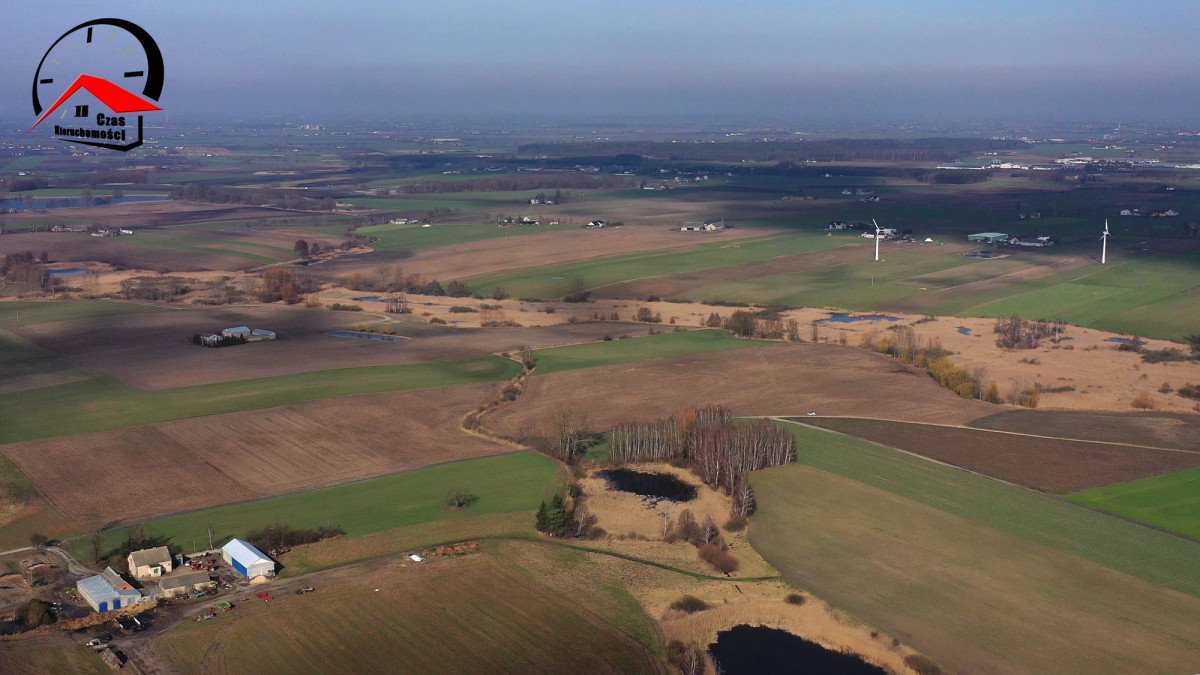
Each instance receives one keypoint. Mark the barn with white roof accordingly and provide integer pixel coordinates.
(246, 559)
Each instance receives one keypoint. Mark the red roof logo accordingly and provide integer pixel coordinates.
(118, 99)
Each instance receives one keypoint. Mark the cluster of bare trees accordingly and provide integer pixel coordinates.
(1017, 333)
(722, 453)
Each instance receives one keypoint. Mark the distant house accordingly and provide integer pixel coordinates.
(262, 334)
(692, 227)
(149, 563)
(107, 591)
(237, 331)
(595, 224)
(247, 560)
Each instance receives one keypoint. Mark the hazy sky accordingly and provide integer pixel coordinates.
(614, 60)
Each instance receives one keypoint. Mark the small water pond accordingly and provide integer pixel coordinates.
(369, 298)
(361, 335)
(1126, 341)
(67, 272)
(758, 649)
(847, 317)
(653, 486)
(41, 203)
(963, 330)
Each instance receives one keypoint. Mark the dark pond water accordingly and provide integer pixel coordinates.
(360, 335)
(1125, 341)
(847, 317)
(39, 203)
(759, 650)
(963, 330)
(654, 486)
(67, 272)
(368, 298)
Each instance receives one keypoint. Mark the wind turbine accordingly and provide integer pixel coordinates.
(877, 231)
(1104, 244)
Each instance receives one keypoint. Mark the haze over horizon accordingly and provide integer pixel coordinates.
(933, 62)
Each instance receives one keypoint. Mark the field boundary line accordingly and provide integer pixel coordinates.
(1061, 498)
(990, 431)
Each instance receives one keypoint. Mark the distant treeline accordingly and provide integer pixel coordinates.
(521, 181)
(828, 150)
(221, 194)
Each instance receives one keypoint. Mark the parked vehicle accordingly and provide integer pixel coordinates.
(265, 596)
(225, 605)
(304, 589)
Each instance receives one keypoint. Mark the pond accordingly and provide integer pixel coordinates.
(362, 335)
(66, 272)
(758, 649)
(369, 298)
(847, 317)
(41, 203)
(1126, 341)
(654, 486)
(963, 330)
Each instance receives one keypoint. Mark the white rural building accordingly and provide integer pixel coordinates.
(107, 591)
(249, 561)
(149, 563)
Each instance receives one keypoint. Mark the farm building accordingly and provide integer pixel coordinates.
(149, 563)
(249, 561)
(237, 331)
(107, 591)
(184, 582)
(261, 334)
(989, 237)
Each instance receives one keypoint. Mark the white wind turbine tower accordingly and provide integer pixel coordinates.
(1104, 244)
(877, 231)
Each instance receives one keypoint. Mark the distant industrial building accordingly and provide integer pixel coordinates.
(989, 237)
(149, 563)
(107, 591)
(249, 561)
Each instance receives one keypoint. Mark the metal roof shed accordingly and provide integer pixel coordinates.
(249, 561)
(107, 591)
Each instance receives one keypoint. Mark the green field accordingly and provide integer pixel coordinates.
(594, 354)
(1135, 294)
(105, 403)
(974, 598)
(1138, 551)
(557, 280)
(507, 483)
(513, 608)
(1171, 501)
(13, 314)
(417, 238)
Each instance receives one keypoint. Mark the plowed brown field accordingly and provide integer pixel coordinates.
(1047, 464)
(186, 464)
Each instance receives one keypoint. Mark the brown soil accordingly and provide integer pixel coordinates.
(772, 380)
(1047, 464)
(1180, 431)
(192, 463)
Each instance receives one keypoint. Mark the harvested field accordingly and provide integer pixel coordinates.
(461, 261)
(1046, 464)
(149, 350)
(48, 655)
(1180, 431)
(770, 380)
(484, 612)
(193, 463)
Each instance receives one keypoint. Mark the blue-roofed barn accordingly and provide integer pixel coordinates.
(107, 591)
(247, 560)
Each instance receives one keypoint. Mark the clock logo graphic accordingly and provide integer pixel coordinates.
(110, 71)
